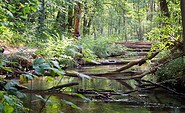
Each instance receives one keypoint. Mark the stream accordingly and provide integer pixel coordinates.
(114, 100)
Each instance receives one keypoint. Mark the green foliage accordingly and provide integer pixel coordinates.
(171, 70)
(10, 37)
(15, 13)
(58, 48)
(40, 65)
(72, 105)
(9, 94)
(168, 29)
(10, 99)
(99, 47)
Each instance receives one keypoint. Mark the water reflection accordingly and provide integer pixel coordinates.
(155, 101)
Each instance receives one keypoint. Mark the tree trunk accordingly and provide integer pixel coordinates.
(125, 26)
(119, 26)
(42, 15)
(85, 19)
(70, 18)
(89, 25)
(61, 20)
(78, 14)
(164, 8)
(183, 22)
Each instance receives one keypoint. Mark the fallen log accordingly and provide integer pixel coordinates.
(137, 43)
(164, 87)
(104, 62)
(141, 89)
(155, 67)
(138, 46)
(140, 62)
(64, 85)
(125, 84)
(138, 50)
(139, 75)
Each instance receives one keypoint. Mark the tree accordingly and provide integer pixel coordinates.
(183, 22)
(164, 8)
(77, 18)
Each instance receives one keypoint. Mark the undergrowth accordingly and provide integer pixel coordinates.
(171, 71)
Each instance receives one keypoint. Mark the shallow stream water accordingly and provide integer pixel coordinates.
(153, 101)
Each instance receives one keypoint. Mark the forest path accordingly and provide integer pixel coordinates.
(9, 50)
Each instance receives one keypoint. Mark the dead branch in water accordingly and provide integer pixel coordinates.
(64, 85)
(140, 62)
(164, 87)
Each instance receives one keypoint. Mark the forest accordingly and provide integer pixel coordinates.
(92, 56)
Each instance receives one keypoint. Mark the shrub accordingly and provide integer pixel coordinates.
(171, 70)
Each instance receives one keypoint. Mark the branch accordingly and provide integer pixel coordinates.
(140, 62)
(164, 87)
(64, 85)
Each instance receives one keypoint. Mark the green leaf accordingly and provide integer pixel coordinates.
(52, 73)
(56, 64)
(8, 100)
(10, 85)
(90, 60)
(7, 69)
(9, 13)
(1, 106)
(33, 9)
(72, 105)
(45, 66)
(54, 106)
(82, 75)
(8, 109)
(39, 71)
(49, 79)
(28, 75)
(24, 17)
(59, 72)
(82, 96)
(19, 94)
(38, 61)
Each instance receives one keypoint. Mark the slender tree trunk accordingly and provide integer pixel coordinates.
(119, 26)
(61, 21)
(42, 15)
(85, 19)
(164, 8)
(183, 22)
(78, 14)
(111, 27)
(89, 25)
(125, 26)
(70, 18)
